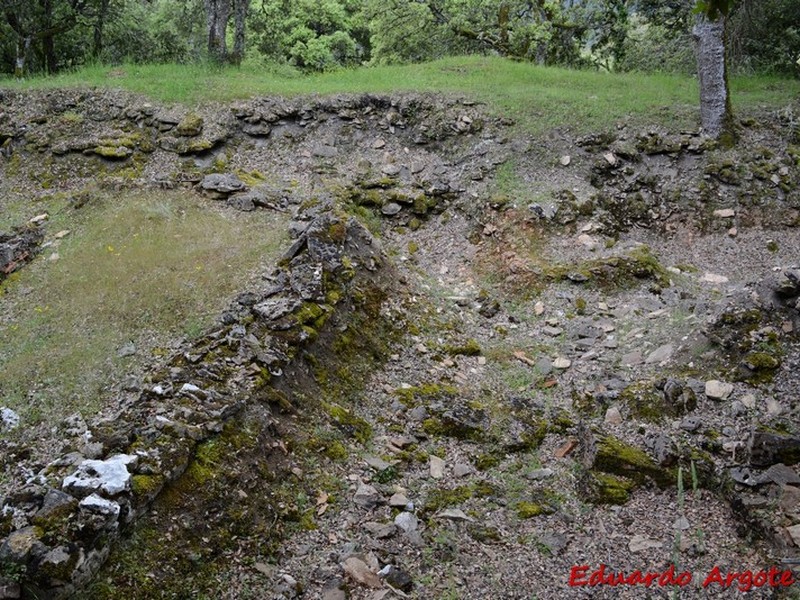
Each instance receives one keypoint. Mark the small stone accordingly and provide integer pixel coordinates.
(8, 419)
(398, 500)
(39, 219)
(774, 407)
(62, 234)
(462, 470)
(610, 158)
(640, 543)
(377, 463)
(660, 354)
(539, 474)
(455, 514)
(733, 232)
(391, 170)
(361, 573)
(99, 505)
(54, 257)
(565, 160)
(378, 144)
(380, 530)
(436, 467)
(725, 213)
(691, 424)
(406, 521)
(544, 366)
(613, 416)
(398, 579)
(790, 500)
(552, 331)
(538, 309)
(367, 496)
(562, 363)
(794, 532)
(718, 390)
(481, 360)
(715, 279)
(681, 524)
(127, 349)
(749, 401)
(632, 359)
(390, 209)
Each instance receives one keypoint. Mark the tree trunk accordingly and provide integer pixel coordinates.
(99, 25)
(716, 115)
(23, 47)
(240, 8)
(218, 14)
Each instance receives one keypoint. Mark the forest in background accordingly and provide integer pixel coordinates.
(50, 36)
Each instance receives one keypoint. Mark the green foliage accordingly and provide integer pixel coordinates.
(312, 35)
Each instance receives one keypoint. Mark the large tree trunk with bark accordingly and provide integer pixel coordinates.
(218, 13)
(716, 115)
(239, 18)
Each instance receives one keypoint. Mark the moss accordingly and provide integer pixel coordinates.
(440, 499)
(527, 510)
(146, 487)
(251, 178)
(616, 457)
(413, 247)
(580, 305)
(190, 125)
(605, 488)
(424, 392)
(276, 396)
(487, 461)
(483, 534)
(112, 152)
(469, 348)
(645, 402)
(308, 312)
(414, 223)
(349, 423)
(337, 232)
(422, 204)
(772, 246)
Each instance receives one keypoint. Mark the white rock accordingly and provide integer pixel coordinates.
(610, 158)
(110, 476)
(99, 505)
(774, 407)
(613, 416)
(718, 390)
(749, 401)
(39, 218)
(565, 160)
(713, 278)
(437, 467)
(725, 213)
(639, 543)
(562, 363)
(8, 419)
(406, 521)
(538, 309)
(62, 234)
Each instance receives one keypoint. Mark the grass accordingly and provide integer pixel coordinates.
(137, 267)
(538, 98)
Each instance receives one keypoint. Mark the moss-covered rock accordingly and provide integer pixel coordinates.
(190, 126)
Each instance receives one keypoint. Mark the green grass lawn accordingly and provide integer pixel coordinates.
(539, 98)
(139, 267)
